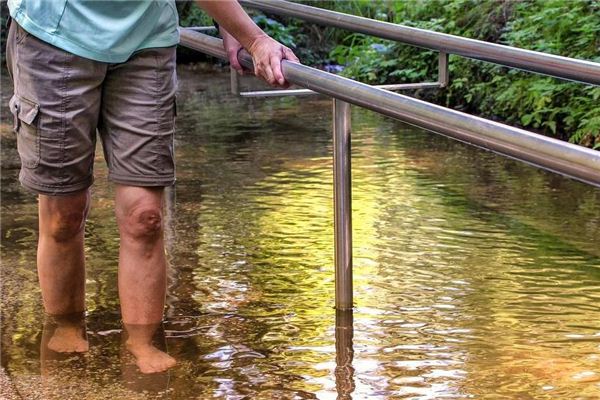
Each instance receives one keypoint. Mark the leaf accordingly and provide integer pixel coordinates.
(551, 125)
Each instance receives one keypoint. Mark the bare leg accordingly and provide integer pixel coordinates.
(142, 272)
(61, 266)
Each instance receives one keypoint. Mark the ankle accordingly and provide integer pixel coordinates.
(137, 345)
(75, 320)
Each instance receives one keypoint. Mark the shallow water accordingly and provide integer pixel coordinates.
(475, 276)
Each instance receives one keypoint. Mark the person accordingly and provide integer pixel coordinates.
(81, 66)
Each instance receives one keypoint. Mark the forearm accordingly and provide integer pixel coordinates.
(232, 18)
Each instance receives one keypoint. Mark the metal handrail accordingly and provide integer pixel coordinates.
(308, 92)
(533, 61)
(564, 158)
(544, 152)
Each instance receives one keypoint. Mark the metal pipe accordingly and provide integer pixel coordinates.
(234, 81)
(443, 72)
(533, 61)
(205, 44)
(279, 93)
(201, 28)
(409, 86)
(308, 92)
(342, 205)
(551, 154)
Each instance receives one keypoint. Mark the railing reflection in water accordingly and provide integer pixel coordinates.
(344, 354)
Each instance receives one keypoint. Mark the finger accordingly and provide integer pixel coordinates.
(267, 74)
(259, 71)
(233, 60)
(289, 55)
(276, 68)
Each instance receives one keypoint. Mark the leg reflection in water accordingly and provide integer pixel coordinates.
(65, 333)
(63, 360)
(344, 351)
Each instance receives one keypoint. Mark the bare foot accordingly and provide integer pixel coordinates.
(68, 339)
(149, 359)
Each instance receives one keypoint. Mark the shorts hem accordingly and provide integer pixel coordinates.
(143, 181)
(56, 190)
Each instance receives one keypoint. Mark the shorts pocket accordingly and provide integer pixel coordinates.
(25, 113)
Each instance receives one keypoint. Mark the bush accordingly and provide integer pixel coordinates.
(555, 107)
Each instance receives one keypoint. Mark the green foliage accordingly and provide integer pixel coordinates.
(311, 43)
(569, 28)
(276, 30)
(192, 15)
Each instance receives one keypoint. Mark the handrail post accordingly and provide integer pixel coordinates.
(443, 73)
(342, 205)
(235, 82)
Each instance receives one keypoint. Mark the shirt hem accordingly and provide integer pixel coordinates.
(74, 48)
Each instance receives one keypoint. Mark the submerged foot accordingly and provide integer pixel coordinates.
(68, 339)
(149, 359)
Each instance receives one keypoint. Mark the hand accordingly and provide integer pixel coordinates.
(267, 54)
(232, 47)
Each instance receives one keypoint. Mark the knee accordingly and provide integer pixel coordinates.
(66, 225)
(142, 223)
(62, 218)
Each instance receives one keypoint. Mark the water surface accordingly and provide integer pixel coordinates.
(475, 276)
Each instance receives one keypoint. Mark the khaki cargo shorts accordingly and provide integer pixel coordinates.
(60, 101)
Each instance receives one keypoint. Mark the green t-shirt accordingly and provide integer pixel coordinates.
(107, 31)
